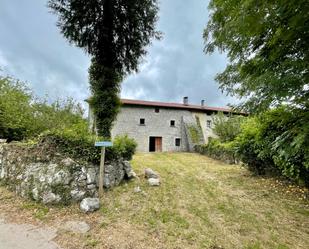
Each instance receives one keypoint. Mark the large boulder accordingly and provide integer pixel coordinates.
(90, 205)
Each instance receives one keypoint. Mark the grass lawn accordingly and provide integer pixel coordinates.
(201, 203)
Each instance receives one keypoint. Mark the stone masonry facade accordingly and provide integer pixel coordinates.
(189, 124)
(156, 125)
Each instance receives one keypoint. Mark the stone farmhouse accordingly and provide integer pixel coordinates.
(161, 126)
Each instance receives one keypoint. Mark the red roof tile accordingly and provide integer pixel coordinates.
(175, 105)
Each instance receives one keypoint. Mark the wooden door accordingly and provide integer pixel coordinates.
(158, 144)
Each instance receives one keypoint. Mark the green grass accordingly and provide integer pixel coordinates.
(39, 211)
(203, 203)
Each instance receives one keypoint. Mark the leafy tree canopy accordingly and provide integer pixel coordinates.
(115, 33)
(267, 45)
(22, 115)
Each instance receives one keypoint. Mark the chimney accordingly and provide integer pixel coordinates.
(185, 101)
(202, 102)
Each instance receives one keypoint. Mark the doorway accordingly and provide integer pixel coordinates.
(155, 144)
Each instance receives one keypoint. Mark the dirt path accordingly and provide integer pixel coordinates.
(25, 236)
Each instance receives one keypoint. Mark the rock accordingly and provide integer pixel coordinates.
(91, 186)
(149, 173)
(76, 226)
(90, 205)
(82, 177)
(137, 189)
(2, 141)
(82, 183)
(154, 181)
(107, 181)
(56, 179)
(67, 162)
(35, 194)
(131, 174)
(127, 167)
(61, 177)
(77, 195)
(50, 197)
(91, 175)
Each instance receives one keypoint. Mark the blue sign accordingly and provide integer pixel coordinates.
(103, 144)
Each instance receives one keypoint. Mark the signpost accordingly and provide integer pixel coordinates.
(102, 144)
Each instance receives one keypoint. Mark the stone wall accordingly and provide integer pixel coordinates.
(34, 172)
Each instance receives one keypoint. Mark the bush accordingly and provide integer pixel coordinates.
(227, 128)
(217, 150)
(22, 116)
(15, 110)
(249, 145)
(277, 141)
(124, 146)
(77, 143)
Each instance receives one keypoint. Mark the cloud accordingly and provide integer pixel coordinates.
(33, 50)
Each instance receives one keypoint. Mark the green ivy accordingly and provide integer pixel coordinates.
(194, 133)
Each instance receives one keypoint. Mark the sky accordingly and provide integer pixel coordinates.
(33, 50)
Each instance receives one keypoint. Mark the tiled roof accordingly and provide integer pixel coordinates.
(175, 105)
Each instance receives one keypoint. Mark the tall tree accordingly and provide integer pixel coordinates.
(115, 34)
(267, 45)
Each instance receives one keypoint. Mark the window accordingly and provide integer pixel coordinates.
(157, 109)
(142, 121)
(177, 141)
(208, 123)
(172, 123)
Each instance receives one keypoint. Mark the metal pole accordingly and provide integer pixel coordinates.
(101, 174)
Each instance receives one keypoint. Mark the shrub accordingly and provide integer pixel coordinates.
(249, 145)
(287, 130)
(217, 150)
(22, 116)
(227, 128)
(125, 146)
(15, 109)
(277, 141)
(80, 145)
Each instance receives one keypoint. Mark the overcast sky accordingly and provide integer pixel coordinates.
(33, 50)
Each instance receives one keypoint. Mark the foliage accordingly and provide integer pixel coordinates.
(227, 128)
(249, 145)
(79, 144)
(15, 109)
(60, 114)
(286, 131)
(22, 116)
(267, 45)
(115, 34)
(104, 103)
(218, 150)
(60, 124)
(194, 133)
(277, 141)
(125, 146)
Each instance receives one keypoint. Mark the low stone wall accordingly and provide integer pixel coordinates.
(33, 172)
(223, 155)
